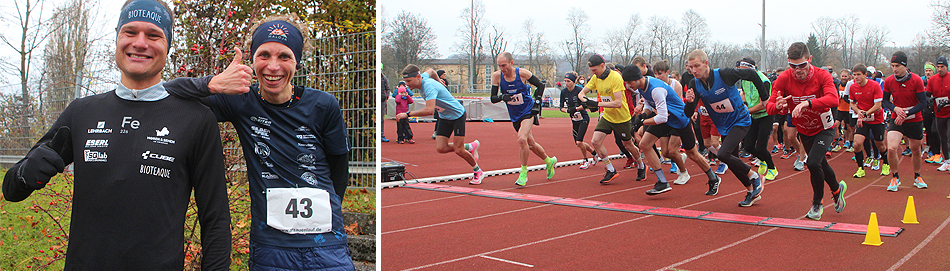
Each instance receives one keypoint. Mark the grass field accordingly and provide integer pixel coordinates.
(33, 233)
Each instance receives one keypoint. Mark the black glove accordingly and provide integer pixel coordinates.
(44, 162)
(506, 97)
(536, 109)
(591, 104)
(571, 110)
(638, 121)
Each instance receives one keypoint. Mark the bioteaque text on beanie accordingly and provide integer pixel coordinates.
(149, 11)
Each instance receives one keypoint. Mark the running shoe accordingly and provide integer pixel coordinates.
(837, 148)
(906, 152)
(919, 182)
(673, 168)
(895, 182)
(585, 164)
(745, 154)
(828, 154)
(722, 168)
(522, 178)
(477, 179)
(629, 163)
(885, 170)
(839, 197)
(400, 142)
(799, 165)
(859, 173)
(876, 165)
(749, 199)
(682, 177)
(935, 159)
(594, 160)
(815, 212)
(666, 161)
(777, 147)
(411, 141)
(384, 139)
(771, 173)
(944, 166)
(433, 135)
(850, 149)
(788, 154)
(867, 162)
(703, 152)
(712, 162)
(474, 149)
(641, 174)
(757, 186)
(549, 164)
(659, 188)
(763, 167)
(755, 162)
(713, 186)
(608, 177)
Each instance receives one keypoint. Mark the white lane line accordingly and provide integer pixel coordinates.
(920, 246)
(507, 261)
(528, 244)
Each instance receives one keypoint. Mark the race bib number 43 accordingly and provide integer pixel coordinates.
(299, 210)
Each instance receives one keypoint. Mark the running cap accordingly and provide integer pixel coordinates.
(571, 76)
(595, 60)
(899, 58)
(149, 11)
(440, 72)
(631, 73)
(619, 67)
(281, 32)
(941, 61)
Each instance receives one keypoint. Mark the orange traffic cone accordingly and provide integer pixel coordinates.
(873, 236)
(910, 213)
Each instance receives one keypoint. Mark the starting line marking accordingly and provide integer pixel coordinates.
(661, 211)
(507, 261)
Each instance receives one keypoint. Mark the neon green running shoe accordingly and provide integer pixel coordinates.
(522, 178)
(549, 166)
(885, 170)
(762, 168)
(771, 174)
(859, 173)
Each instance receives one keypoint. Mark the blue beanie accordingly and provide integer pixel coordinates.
(282, 32)
(149, 11)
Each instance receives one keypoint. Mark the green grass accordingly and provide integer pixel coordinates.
(33, 232)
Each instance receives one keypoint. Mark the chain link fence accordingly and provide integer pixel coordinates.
(340, 65)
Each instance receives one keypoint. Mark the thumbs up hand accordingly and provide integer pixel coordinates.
(235, 79)
(44, 161)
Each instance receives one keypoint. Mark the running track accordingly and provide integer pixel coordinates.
(433, 230)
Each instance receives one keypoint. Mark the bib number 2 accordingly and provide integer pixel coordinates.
(299, 210)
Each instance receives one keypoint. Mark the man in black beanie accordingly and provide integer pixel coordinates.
(909, 99)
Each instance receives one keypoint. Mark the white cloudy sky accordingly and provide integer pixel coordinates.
(729, 21)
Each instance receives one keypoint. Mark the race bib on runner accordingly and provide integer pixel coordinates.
(702, 111)
(577, 116)
(869, 117)
(299, 210)
(724, 106)
(606, 99)
(516, 99)
(826, 119)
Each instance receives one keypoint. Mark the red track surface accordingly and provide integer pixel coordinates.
(446, 231)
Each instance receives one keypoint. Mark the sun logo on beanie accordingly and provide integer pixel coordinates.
(277, 31)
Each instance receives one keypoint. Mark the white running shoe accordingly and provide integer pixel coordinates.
(945, 166)
(682, 177)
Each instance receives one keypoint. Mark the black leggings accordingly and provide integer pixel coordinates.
(932, 133)
(757, 140)
(622, 148)
(699, 134)
(818, 166)
(943, 128)
(729, 154)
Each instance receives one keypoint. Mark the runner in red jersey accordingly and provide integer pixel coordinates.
(808, 93)
(939, 86)
(907, 91)
(866, 97)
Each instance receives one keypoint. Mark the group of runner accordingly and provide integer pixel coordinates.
(651, 115)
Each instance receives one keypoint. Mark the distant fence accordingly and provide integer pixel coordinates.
(340, 65)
